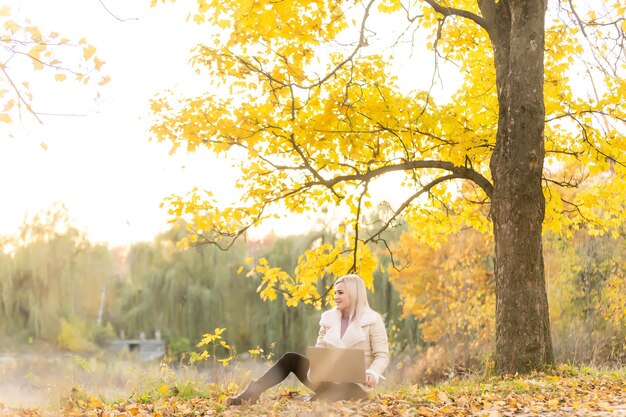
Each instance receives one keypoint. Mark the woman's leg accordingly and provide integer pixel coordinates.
(289, 362)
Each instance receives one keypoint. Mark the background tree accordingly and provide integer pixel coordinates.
(586, 282)
(451, 291)
(438, 304)
(49, 274)
(186, 294)
(318, 115)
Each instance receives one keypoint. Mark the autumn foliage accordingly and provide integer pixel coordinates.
(314, 112)
(564, 391)
(450, 290)
(26, 50)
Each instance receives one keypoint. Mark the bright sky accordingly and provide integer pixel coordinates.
(101, 165)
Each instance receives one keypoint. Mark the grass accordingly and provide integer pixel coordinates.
(116, 387)
(564, 389)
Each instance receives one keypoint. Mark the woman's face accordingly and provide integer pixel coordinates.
(342, 298)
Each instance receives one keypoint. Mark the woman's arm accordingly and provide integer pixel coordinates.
(380, 350)
(320, 336)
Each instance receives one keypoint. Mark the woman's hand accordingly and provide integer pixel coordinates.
(370, 380)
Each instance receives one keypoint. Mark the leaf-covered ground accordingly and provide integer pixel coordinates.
(563, 392)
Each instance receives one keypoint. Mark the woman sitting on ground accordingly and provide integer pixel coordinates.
(351, 324)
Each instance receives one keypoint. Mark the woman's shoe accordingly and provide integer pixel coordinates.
(249, 395)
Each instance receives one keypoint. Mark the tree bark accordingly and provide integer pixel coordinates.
(523, 340)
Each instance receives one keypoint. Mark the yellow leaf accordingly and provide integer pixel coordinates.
(226, 360)
(8, 106)
(104, 80)
(60, 77)
(88, 52)
(164, 389)
(98, 63)
(5, 11)
(5, 118)
(35, 54)
(11, 26)
(35, 33)
(389, 6)
(424, 411)
(96, 403)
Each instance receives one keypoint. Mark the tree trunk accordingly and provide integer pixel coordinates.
(523, 339)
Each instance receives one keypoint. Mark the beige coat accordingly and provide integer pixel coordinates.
(369, 334)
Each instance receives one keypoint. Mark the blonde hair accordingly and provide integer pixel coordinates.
(355, 287)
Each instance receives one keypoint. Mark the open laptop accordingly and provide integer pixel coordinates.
(336, 365)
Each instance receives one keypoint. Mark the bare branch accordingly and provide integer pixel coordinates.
(451, 11)
(580, 22)
(567, 183)
(407, 254)
(581, 112)
(588, 141)
(461, 172)
(577, 209)
(57, 67)
(600, 55)
(19, 94)
(313, 300)
(408, 201)
(229, 237)
(362, 42)
(353, 268)
(306, 162)
(564, 152)
(116, 17)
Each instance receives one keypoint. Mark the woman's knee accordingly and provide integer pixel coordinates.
(290, 358)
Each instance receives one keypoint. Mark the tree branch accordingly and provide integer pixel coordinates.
(19, 94)
(572, 182)
(588, 141)
(407, 255)
(408, 201)
(460, 172)
(353, 268)
(115, 16)
(451, 11)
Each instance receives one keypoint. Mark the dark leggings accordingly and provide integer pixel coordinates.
(299, 365)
